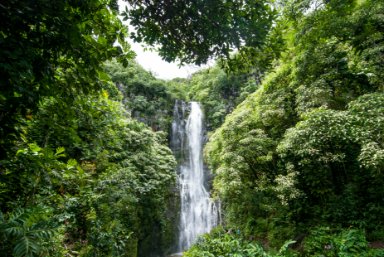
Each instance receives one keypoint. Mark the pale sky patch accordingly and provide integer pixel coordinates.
(152, 62)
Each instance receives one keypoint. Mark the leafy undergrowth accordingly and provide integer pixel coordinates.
(321, 242)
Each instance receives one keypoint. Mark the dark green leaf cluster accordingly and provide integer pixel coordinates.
(53, 48)
(193, 31)
(107, 184)
(29, 232)
(78, 175)
(322, 241)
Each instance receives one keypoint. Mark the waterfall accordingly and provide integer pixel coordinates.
(198, 214)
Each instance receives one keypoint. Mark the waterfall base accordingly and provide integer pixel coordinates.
(176, 255)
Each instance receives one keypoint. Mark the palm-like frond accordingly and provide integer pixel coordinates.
(25, 230)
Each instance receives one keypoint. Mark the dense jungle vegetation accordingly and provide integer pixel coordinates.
(80, 175)
(295, 120)
(300, 160)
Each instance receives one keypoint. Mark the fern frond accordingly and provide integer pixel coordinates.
(26, 246)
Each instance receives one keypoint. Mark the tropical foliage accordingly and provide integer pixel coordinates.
(296, 139)
(148, 99)
(78, 175)
(305, 149)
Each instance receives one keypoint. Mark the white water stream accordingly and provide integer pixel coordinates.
(198, 214)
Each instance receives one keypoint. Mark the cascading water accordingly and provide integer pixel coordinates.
(198, 212)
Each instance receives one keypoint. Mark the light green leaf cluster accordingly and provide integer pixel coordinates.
(307, 147)
(230, 244)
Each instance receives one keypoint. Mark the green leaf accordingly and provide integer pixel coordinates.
(60, 152)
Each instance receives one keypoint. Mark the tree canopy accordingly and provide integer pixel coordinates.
(193, 31)
(53, 48)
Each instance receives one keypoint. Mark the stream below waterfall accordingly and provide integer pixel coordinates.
(198, 213)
